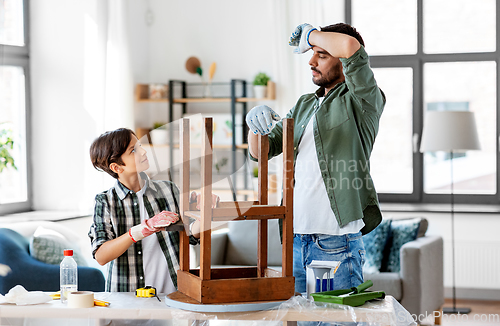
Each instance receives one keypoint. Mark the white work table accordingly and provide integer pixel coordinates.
(126, 307)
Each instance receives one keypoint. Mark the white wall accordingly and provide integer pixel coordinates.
(233, 34)
(66, 72)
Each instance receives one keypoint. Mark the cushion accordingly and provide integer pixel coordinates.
(422, 229)
(402, 231)
(48, 246)
(390, 283)
(375, 242)
(242, 243)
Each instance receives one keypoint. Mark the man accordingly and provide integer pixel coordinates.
(334, 131)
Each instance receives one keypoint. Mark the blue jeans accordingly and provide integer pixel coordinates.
(348, 249)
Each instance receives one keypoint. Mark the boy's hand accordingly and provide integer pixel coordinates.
(155, 224)
(300, 38)
(196, 198)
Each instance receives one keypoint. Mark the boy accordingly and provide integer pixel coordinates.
(126, 216)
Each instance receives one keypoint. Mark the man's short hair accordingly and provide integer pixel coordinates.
(344, 29)
(108, 148)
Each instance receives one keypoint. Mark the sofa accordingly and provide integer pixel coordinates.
(418, 286)
(17, 243)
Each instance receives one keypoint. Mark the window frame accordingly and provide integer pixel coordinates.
(417, 62)
(11, 55)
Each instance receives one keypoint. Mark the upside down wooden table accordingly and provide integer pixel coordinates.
(126, 309)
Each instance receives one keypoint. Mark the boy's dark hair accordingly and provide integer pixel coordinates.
(108, 148)
(344, 29)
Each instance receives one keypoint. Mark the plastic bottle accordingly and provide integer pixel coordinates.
(68, 275)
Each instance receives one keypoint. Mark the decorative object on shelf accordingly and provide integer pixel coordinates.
(451, 131)
(143, 135)
(260, 85)
(193, 65)
(211, 73)
(159, 134)
(6, 146)
(158, 91)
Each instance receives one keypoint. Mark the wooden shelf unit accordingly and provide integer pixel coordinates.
(142, 95)
(242, 146)
(174, 86)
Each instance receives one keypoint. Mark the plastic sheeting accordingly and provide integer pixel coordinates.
(126, 309)
(307, 312)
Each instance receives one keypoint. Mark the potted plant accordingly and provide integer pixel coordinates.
(260, 85)
(6, 145)
(220, 164)
(159, 134)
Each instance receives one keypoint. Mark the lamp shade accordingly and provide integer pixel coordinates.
(449, 131)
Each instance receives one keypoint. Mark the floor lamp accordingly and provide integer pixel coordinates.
(450, 131)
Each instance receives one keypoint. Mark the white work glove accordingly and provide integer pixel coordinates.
(155, 224)
(261, 119)
(300, 38)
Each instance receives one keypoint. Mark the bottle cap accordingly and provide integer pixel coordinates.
(68, 252)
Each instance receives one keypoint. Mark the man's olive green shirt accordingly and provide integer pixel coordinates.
(345, 128)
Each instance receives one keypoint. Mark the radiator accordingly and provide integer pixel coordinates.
(477, 264)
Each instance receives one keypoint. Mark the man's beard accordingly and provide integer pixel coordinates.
(331, 78)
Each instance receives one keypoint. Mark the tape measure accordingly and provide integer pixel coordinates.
(146, 292)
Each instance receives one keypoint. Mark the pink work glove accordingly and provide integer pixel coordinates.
(155, 224)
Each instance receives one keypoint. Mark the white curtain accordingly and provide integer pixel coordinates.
(108, 84)
(119, 83)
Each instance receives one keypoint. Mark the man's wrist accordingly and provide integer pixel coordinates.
(308, 35)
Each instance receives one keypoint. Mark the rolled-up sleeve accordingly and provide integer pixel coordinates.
(101, 229)
(361, 82)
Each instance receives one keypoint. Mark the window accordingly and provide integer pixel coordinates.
(14, 109)
(432, 55)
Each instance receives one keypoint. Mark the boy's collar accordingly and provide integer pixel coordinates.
(123, 191)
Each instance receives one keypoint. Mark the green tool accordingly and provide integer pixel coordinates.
(352, 297)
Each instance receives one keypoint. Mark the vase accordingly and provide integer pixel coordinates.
(259, 91)
(159, 136)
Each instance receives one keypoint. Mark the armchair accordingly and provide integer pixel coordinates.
(35, 275)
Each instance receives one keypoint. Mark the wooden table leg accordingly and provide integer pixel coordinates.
(438, 314)
(289, 323)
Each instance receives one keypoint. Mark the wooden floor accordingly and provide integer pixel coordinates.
(483, 313)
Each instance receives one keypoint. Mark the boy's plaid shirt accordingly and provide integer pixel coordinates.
(115, 212)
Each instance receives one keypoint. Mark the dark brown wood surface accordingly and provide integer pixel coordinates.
(184, 194)
(206, 200)
(263, 200)
(288, 157)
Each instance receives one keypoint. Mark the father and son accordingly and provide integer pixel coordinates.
(339, 121)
